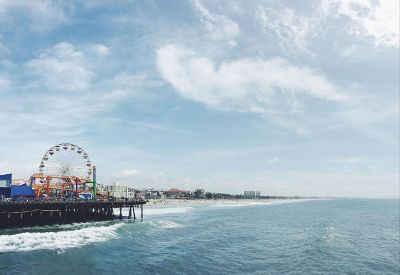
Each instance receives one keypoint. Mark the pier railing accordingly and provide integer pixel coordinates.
(34, 213)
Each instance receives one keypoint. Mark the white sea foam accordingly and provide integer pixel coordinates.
(153, 211)
(331, 234)
(272, 202)
(167, 210)
(57, 240)
(165, 224)
(237, 204)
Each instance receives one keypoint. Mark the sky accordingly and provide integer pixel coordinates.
(285, 97)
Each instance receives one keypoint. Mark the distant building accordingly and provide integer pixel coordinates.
(5, 180)
(176, 193)
(251, 194)
(119, 191)
(151, 193)
(8, 190)
(101, 189)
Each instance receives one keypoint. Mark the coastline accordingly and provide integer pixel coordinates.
(186, 202)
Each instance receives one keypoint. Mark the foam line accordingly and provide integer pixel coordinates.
(57, 240)
(153, 211)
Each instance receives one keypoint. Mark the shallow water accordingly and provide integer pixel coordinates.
(322, 236)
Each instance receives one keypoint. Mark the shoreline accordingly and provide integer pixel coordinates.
(186, 202)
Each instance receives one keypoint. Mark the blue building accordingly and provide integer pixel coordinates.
(5, 180)
(8, 190)
(24, 191)
(5, 183)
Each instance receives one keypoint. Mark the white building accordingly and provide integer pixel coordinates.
(119, 191)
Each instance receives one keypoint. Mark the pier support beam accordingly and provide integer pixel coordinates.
(14, 214)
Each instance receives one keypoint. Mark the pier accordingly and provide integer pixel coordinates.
(38, 213)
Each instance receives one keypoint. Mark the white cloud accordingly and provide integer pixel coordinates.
(377, 19)
(273, 161)
(67, 90)
(349, 52)
(62, 67)
(100, 50)
(347, 160)
(143, 179)
(3, 48)
(220, 27)
(39, 15)
(157, 127)
(294, 31)
(113, 96)
(248, 85)
(129, 173)
(5, 83)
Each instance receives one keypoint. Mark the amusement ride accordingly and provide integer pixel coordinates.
(65, 171)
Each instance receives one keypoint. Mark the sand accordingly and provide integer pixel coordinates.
(160, 202)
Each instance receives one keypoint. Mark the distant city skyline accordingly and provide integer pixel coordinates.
(282, 97)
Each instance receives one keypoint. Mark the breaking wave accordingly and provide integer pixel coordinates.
(61, 240)
(152, 211)
(168, 210)
(243, 204)
(165, 224)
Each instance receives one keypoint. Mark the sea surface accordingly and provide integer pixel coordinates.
(336, 236)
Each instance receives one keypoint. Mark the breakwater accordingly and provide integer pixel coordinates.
(36, 213)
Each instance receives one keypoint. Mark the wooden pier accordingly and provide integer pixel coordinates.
(37, 213)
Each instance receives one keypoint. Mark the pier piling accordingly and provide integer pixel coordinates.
(33, 213)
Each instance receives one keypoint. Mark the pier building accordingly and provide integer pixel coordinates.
(64, 190)
(35, 213)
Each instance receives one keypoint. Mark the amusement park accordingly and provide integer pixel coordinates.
(63, 190)
(65, 172)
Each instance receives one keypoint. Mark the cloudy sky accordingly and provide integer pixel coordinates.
(284, 97)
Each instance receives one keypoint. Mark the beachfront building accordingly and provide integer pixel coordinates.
(117, 190)
(251, 194)
(176, 193)
(101, 189)
(151, 193)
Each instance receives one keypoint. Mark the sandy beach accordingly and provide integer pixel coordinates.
(183, 202)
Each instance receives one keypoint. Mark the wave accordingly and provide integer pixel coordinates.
(167, 210)
(61, 240)
(275, 202)
(152, 211)
(237, 204)
(165, 224)
(331, 234)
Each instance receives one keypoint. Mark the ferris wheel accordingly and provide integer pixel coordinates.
(66, 160)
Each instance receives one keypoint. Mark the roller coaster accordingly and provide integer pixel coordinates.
(65, 171)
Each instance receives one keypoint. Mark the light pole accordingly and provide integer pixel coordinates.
(94, 183)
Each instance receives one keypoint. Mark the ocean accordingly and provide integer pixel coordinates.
(333, 236)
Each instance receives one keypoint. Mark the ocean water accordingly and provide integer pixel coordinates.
(345, 236)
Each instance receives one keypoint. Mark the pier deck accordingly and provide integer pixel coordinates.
(36, 213)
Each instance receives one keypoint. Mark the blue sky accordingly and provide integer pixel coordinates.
(282, 97)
